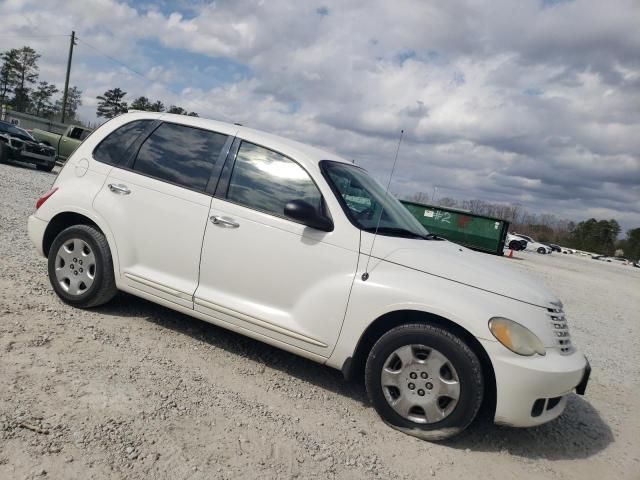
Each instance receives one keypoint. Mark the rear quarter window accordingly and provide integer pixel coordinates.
(115, 148)
(181, 154)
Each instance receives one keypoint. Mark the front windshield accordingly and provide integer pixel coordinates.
(366, 202)
(25, 135)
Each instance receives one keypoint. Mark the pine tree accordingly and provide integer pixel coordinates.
(74, 100)
(41, 99)
(26, 71)
(111, 103)
(8, 75)
(141, 103)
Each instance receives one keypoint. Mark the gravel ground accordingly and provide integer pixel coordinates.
(135, 390)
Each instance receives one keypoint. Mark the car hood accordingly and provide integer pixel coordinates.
(479, 270)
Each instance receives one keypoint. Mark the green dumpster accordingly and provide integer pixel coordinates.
(486, 234)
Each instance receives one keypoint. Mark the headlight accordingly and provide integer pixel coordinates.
(515, 337)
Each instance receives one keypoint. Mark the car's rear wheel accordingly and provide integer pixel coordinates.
(515, 245)
(424, 381)
(81, 268)
(541, 250)
(4, 153)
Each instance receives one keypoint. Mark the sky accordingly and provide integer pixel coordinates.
(532, 102)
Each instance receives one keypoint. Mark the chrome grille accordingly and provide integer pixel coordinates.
(560, 328)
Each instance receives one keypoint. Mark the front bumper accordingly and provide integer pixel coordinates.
(37, 158)
(36, 228)
(533, 390)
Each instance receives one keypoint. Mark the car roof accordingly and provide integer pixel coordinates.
(301, 152)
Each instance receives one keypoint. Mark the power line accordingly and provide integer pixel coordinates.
(34, 36)
(121, 63)
(114, 59)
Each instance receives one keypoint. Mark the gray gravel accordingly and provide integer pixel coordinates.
(135, 390)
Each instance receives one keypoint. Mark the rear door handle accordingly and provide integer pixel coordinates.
(223, 222)
(119, 189)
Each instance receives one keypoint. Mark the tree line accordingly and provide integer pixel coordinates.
(591, 235)
(22, 89)
(112, 103)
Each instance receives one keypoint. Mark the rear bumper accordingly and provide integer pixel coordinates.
(533, 390)
(36, 228)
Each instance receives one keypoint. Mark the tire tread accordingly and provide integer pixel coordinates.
(107, 288)
(474, 363)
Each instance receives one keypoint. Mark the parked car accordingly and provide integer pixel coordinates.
(64, 144)
(18, 144)
(515, 243)
(553, 246)
(533, 245)
(608, 259)
(275, 240)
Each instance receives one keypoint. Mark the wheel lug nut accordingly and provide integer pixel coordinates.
(80, 270)
(424, 375)
(411, 386)
(75, 259)
(80, 262)
(429, 385)
(421, 392)
(413, 375)
(75, 273)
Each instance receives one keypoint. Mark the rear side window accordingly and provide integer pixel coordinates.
(180, 154)
(265, 180)
(114, 149)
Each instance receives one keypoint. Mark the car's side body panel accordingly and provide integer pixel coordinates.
(151, 258)
(391, 288)
(283, 279)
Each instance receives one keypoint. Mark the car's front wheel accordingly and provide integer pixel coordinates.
(81, 268)
(424, 381)
(541, 250)
(46, 168)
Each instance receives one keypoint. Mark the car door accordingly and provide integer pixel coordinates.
(70, 141)
(265, 273)
(157, 206)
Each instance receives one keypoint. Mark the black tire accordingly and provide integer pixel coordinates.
(457, 352)
(4, 153)
(103, 287)
(541, 250)
(45, 168)
(515, 245)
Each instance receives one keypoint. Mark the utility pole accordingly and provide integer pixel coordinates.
(66, 81)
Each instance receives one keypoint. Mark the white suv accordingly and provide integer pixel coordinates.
(276, 240)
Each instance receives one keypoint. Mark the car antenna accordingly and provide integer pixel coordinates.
(365, 275)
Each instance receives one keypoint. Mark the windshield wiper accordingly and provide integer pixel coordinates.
(398, 232)
(433, 236)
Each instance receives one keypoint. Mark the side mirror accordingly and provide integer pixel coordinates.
(304, 213)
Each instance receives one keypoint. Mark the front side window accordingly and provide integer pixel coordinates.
(367, 203)
(114, 149)
(265, 180)
(180, 154)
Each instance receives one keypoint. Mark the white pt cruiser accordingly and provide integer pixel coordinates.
(276, 240)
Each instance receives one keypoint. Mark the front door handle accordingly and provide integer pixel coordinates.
(223, 222)
(119, 189)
